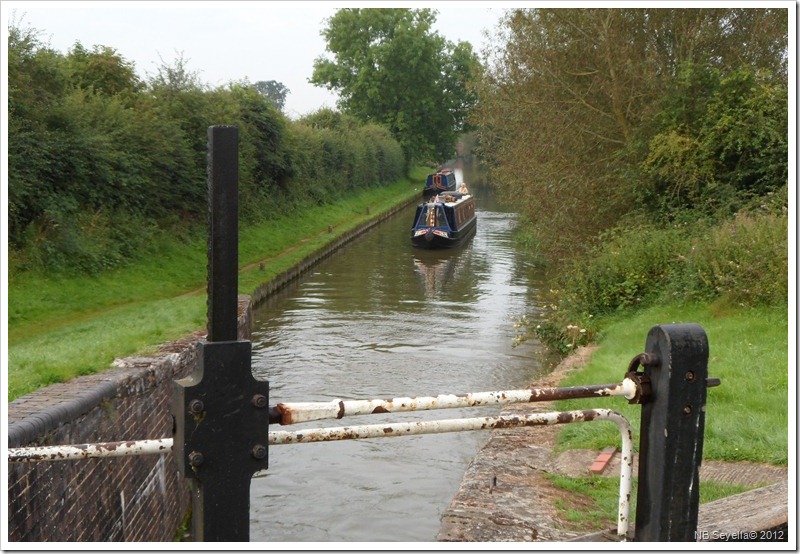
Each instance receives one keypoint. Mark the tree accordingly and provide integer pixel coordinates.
(390, 68)
(103, 70)
(569, 103)
(273, 91)
(718, 150)
(37, 79)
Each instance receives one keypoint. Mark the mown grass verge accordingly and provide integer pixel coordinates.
(593, 502)
(746, 417)
(62, 327)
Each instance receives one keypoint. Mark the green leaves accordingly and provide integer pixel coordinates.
(390, 68)
(588, 116)
(96, 156)
(102, 69)
(722, 141)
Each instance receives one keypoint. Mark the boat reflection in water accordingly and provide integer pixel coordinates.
(434, 274)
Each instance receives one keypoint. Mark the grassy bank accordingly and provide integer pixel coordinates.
(746, 417)
(593, 502)
(63, 327)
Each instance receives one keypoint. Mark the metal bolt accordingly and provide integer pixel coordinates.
(687, 410)
(259, 452)
(648, 358)
(259, 401)
(195, 458)
(196, 407)
(690, 376)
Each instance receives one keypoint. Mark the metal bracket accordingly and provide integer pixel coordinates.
(221, 436)
(640, 378)
(224, 414)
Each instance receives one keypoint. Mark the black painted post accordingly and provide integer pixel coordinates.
(673, 422)
(221, 412)
(223, 232)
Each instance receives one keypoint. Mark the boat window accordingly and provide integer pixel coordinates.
(432, 215)
(441, 218)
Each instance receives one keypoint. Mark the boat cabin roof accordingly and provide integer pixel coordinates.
(447, 174)
(449, 198)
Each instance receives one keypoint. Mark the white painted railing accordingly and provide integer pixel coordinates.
(162, 446)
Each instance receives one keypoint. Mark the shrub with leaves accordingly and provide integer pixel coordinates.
(96, 155)
(745, 259)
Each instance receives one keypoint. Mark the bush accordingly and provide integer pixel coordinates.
(629, 268)
(722, 141)
(95, 155)
(66, 239)
(743, 260)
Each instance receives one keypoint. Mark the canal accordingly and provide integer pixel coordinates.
(381, 319)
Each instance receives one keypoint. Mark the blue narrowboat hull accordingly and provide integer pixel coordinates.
(444, 222)
(439, 182)
(431, 240)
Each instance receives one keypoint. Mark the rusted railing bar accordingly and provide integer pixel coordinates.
(475, 424)
(84, 451)
(296, 412)
(288, 413)
(163, 446)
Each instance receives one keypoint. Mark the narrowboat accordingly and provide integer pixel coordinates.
(442, 181)
(444, 221)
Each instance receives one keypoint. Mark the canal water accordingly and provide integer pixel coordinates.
(381, 319)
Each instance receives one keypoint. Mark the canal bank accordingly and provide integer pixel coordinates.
(263, 291)
(505, 495)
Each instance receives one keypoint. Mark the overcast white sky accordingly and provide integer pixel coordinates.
(228, 41)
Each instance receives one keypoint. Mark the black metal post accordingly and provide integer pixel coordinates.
(673, 422)
(223, 232)
(221, 412)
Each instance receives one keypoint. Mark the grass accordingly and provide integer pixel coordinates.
(62, 327)
(91, 342)
(746, 417)
(593, 502)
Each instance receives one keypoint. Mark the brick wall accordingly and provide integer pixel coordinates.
(138, 498)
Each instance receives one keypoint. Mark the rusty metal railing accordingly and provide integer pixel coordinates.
(287, 413)
(297, 412)
(86, 451)
(381, 430)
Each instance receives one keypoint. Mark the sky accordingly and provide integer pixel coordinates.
(228, 41)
